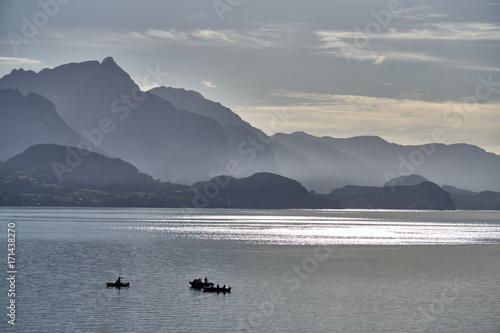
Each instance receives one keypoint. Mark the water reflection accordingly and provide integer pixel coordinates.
(324, 228)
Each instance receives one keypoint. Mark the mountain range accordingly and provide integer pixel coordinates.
(178, 136)
(57, 175)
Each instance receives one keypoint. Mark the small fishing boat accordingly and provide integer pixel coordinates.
(198, 284)
(217, 289)
(117, 285)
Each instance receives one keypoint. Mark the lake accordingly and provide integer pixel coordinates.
(290, 270)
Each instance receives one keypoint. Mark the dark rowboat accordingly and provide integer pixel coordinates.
(217, 290)
(117, 285)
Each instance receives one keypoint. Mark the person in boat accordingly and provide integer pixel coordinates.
(224, 287)
(119, 280)
(217, 286)
(206, 280)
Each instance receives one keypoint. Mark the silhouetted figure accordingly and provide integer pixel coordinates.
(206, 280)
(119, 281)
(217, 286)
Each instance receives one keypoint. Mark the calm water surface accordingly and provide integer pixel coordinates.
(290, 270)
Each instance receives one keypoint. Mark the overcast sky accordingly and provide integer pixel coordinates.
(408, 71)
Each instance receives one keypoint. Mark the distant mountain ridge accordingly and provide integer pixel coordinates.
(424, 195)
(469, 200)
(409, 180)
(376, 161)
(179, 136)
(55, 175)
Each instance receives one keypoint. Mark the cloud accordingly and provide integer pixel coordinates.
(257, 38)
(209, 84)
(450, 31)
(405, 120)
(393, 45)
(171, 34)
(333, 99)
(423, 12)
(228, 36)
(442, 61)
(8, 63)
(14, 61)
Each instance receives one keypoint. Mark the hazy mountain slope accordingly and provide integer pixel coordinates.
(485, 200)
(56, 175)
(101, 101)
(461, 165)
(193, 101)
(249, 147)
(86, 169)
(251, 150)
(365, 148)
(453, 190)
(464, 166)
(205, 139)
(28, 120)
(61, 85)
(330, 168)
